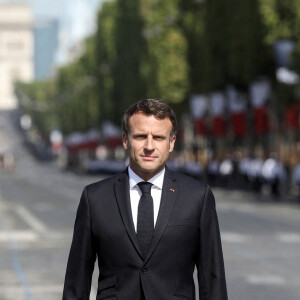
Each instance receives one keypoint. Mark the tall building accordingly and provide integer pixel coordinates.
(16, 50)
(45, 47)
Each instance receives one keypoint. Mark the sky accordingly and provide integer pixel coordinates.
(77, 18)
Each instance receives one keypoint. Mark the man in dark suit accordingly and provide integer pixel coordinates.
(148, 226)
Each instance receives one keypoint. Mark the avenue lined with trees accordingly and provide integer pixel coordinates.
(171, 50)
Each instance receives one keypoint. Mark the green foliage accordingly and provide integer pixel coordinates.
(216, 21)
(225, 42)
(244, 45)
(34, 100)
(129, 84)
(166, 67)
(76, 101)
(199, 57)
(105, 56)
(281, 19)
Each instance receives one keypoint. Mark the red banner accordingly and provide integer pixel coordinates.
(219, 129)
(239, 124)
(199, 126)
(292, 117)
(261, 120)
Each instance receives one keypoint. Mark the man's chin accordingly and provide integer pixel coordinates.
(149, 169)
(149, 166)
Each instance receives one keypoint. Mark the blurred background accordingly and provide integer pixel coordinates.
(230, 69)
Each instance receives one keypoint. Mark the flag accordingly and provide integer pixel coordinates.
(292, 117)
(217, 107)
(237, 107)
(260, 92)
(261, 120)
(198, 108)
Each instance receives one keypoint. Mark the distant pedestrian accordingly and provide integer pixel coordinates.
(243, 168)
(254, 174)
(226, 172)
(274, 174)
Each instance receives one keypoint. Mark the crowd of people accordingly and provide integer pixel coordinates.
(250, 173)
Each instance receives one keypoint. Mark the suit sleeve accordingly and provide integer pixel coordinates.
(82, 255)
(210, 264)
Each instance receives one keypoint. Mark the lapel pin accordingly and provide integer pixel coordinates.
(172, 190)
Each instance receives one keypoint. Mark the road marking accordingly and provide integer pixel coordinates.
(233, 237)
(31, 220)
(15, 256)
(256, 258)
(265, 280)
(288, 237)
(284, 237)
(18, 236)
(47, 289)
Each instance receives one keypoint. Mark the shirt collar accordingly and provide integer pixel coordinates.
(156, 180)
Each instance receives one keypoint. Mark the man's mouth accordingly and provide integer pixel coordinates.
(148, 157)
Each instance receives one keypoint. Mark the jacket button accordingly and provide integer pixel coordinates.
(145, 271)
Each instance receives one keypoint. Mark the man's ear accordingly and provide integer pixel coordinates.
(172, 143)
(125, 141)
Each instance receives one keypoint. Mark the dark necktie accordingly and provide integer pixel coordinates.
(145, 219)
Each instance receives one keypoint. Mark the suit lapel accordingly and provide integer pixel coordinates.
(122, 195)
(169, 194)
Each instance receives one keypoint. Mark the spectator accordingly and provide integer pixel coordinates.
(274, 174)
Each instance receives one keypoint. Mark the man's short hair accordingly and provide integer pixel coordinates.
(155, 107)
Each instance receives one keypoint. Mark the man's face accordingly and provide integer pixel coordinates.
(148, 144)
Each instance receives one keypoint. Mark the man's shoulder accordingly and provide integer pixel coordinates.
(107, 182)
(186, 180)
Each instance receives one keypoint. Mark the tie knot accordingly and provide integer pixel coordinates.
(145, 187)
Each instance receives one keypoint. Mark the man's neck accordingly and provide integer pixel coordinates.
(138, 177)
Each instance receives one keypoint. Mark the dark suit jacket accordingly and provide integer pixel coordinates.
(186, 234)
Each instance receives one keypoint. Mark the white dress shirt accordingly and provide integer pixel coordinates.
(135, 193)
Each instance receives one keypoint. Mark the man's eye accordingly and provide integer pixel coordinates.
(139, 137)
(159, 138)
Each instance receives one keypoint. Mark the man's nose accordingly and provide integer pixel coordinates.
(149, 143)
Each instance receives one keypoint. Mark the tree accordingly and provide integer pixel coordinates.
(245, 49)
(105, 56)
(128, 82)
(165, 68)
(193, 23)
(34, 100)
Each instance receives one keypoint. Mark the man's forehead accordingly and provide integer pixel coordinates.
(143, 122)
